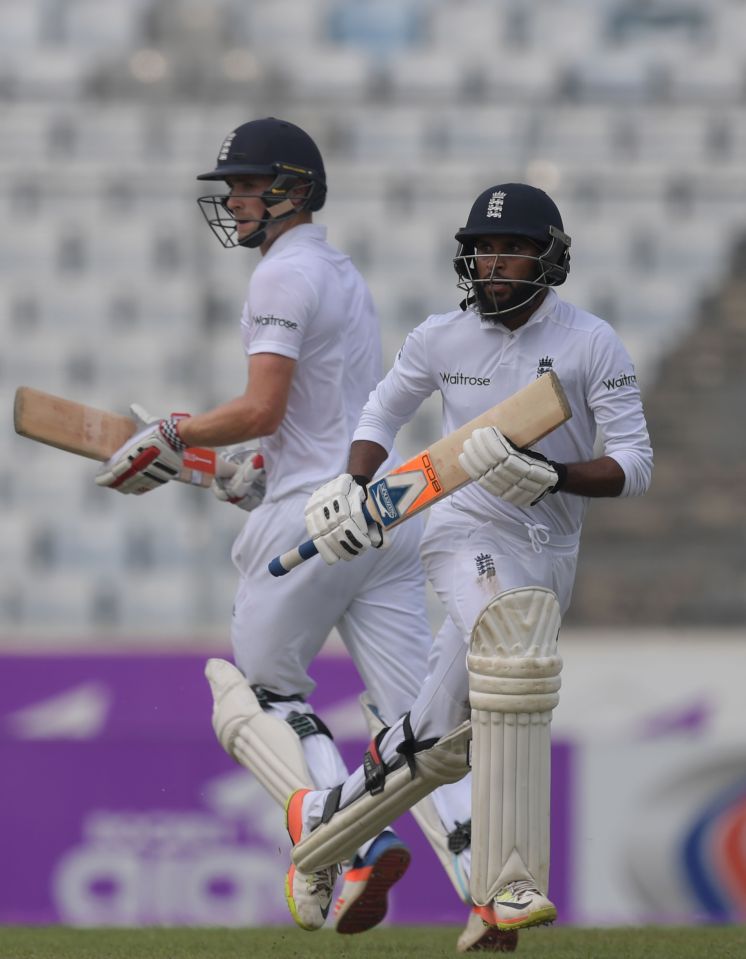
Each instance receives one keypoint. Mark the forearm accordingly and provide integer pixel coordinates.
(365, 458)
(236, 421)
(596, 478)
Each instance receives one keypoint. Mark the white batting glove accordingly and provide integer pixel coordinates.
(519, 476)
(146, 461)
(336, 522)
(247, 486)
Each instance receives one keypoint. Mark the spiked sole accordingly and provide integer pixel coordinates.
(496, 940)
(370, 906)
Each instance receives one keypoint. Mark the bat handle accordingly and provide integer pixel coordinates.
(294, 557)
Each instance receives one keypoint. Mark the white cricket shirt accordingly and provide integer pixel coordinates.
(308, 302)
(475, 365)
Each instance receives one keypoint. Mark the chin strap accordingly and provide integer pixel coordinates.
(467, 302)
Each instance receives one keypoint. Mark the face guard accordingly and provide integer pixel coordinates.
(552, 267)
(288, 194)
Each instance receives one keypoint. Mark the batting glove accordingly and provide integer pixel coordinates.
(336, 522)
(247, 486)
(519, 476)
(147, 460)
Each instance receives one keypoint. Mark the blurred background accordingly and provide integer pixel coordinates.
(631, 114)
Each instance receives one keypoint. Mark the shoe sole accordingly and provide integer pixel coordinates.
(542, 917)
(496, 940)
(371, 905)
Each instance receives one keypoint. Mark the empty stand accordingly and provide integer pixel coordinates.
(113, 290)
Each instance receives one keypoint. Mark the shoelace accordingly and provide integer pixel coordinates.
(522, 885)
(322, 881)
(538, 536)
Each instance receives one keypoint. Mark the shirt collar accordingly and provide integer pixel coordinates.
(547, 306)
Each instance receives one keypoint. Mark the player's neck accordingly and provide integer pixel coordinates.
(276, 230)
(514, 321)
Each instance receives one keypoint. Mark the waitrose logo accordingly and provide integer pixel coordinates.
(271, 320)
(624, 379)
(463, 379)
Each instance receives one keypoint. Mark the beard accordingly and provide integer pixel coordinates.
(492, 308)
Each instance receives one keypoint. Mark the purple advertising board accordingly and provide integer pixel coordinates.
(120, 808)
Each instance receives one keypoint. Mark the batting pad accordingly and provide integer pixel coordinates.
(260, 742)
(365, 817)
(514, 681)
(424, 812)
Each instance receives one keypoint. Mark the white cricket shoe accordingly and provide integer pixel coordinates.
(520, 904)
(310, 897)
(481, 934)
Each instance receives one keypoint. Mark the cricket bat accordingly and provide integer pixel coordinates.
(97, 434)
(525, 417)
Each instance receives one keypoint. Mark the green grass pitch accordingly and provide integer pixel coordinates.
(421, 942)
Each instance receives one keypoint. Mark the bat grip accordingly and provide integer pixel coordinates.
(294, 557)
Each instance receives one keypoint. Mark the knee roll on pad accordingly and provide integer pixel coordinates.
(513, 661)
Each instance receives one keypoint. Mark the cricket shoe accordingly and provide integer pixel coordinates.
(520, 904)
(482, 935)
(363, 901)
(309, 897)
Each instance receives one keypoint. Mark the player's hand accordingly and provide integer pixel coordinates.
(247, 486)
(336, 522)
(519, 476)
(147, 460)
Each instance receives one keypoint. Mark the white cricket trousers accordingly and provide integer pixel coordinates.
(376, 601)
(468, 562)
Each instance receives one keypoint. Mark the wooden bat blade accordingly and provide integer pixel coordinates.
(525, 418)
(73, 427)
(97, 434)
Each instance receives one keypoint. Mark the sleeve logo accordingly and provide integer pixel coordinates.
(271, 320)
(623, 379)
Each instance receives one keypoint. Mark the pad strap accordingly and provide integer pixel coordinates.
(307, 724)
(374, 768)
(265, 696)
(459, 838)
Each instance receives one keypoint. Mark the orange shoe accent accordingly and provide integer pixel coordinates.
(294, 815)
(358, 875)
(486, 914)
